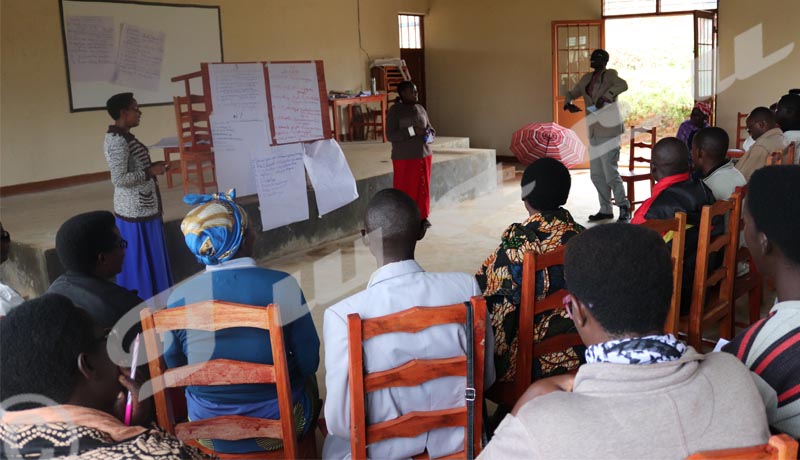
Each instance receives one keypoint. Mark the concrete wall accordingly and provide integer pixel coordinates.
(489, 65)
(779, 20)
(40, 139)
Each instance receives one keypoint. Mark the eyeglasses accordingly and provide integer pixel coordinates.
(121, 243)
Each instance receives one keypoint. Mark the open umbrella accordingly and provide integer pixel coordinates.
(548, 140)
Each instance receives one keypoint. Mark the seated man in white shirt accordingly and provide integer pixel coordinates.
(9, 298)
(393, 226)
(788, 116)
(709, 154)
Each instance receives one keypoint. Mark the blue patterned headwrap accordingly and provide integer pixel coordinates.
(215, 230)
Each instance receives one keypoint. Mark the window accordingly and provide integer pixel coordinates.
(626, 7)
(410, 31)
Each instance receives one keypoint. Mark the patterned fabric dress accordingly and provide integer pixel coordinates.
(81, 433)
(500, 278)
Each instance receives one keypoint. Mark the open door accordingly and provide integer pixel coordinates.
(705, 59)
(573, 43)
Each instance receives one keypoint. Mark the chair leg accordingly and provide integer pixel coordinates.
(185, 176)
(756, 297)
(632, 195)
(201, 182)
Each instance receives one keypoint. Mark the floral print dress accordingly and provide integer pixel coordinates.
(500, 278)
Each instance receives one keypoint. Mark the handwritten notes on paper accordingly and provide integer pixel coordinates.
(296, 110)
(238, 87)
(334, 184)
(281, 183)
(90, 48)
(237, 137)
(141, 54)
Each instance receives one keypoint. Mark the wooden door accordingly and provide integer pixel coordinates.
(412, 49)
(705, 59)
(573, 43)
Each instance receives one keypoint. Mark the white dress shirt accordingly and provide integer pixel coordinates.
(8, 299)
(393, 288)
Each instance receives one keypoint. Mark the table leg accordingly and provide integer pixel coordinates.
(383, 118)
(335, 121)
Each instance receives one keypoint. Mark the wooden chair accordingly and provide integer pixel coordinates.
(779, 447)
(194, 142)
(413, 373)
(712, 293)
(677, 226)
(507, 393)
(174, 164)
(635, 174)
(741, 129)
(782, 157)
(214, 316)
(750, 283)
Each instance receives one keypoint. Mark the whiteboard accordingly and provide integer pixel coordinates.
(186, 36)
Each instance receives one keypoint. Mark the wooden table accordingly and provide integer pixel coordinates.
(348, 102)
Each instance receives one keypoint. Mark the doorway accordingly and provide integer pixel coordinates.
(412, 49)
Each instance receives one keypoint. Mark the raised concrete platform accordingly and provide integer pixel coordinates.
(459, 173)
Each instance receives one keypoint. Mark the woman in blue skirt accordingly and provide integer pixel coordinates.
(137, 201)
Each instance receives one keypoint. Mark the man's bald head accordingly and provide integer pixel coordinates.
(670, 157)
(393, 218)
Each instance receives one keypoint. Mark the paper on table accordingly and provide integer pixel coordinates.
(334, 184)
(90, 48)
(295, 103)
(720, 344)
(141, 53)
(237, 136)
(281, 182)
(238, 87)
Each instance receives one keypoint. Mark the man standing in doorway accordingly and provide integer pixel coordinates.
(600, 90)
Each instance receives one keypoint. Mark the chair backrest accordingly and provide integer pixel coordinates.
(412, 373)
(785, 157)
(633, 159)
(529, 307)
(677, 227)
(192, 124)
(741, 129)
(779, 447)
(714, 240)
(213, 316)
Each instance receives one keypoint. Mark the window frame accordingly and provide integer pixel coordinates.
(657, 12)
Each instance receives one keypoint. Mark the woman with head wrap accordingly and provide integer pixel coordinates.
(545, 188)
(220, 235)
(698, 119)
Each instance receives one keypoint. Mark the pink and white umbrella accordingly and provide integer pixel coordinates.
(548, 140)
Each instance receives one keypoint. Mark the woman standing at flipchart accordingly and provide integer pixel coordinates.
(411, 133)
(137, 201)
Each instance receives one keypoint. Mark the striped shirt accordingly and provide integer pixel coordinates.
(771, 349)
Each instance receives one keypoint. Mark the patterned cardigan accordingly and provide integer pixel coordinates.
(500, 279)
(136, 194)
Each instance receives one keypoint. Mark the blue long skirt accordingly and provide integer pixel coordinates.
(146, 267)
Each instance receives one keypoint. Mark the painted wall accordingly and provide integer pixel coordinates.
(489, 65)
(40, 139)
(778, 19)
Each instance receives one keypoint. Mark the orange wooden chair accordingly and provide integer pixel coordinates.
(413, 373)
(741, 129)
(507, 393)
(213, 316)
(712, 293)
(676, 229)
(174, 164)
(636, 173)
(779, 447)
(782, 158)
(750, 283)
(194, 143)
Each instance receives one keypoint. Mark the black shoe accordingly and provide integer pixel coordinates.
(600, 216)
(624, 214)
